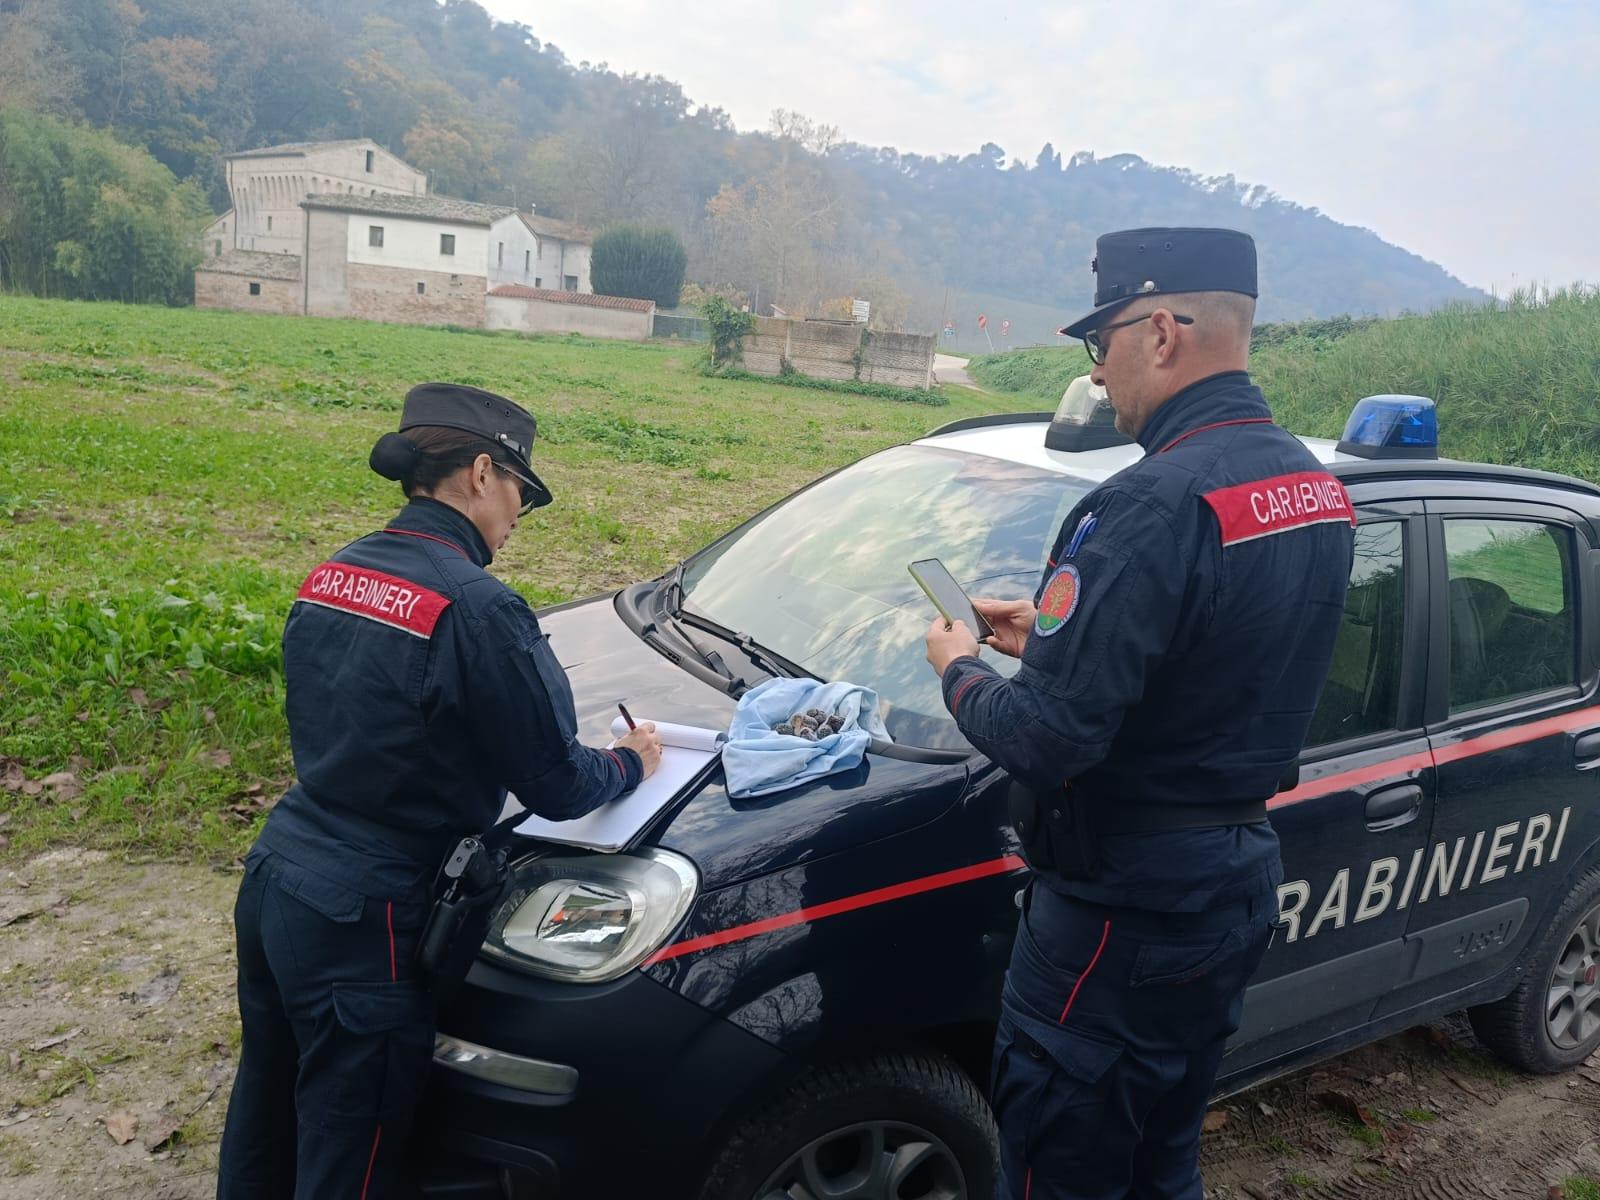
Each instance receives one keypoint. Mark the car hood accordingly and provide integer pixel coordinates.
(730, 839)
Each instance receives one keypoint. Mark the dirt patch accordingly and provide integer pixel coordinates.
(121, 1038)
(120, 1029)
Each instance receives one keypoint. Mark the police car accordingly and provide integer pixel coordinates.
(794, 996)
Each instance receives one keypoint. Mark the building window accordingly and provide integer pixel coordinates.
(569, 282)
(421, 287)
(538, 283)
(255, 289)
(269, 224)
(369, 162)
(218, 247)
(375, 235)
(447, 243)
(500, 255)
(527, 260)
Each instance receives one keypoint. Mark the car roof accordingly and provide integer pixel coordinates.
(1019, 438)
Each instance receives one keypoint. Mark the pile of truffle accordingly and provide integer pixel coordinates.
(813, 725)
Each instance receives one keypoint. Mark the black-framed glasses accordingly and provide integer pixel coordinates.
(1095, 341)
(526, 488)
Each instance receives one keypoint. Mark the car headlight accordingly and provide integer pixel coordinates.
(591, 918)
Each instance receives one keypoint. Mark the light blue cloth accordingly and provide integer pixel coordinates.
(758, 761)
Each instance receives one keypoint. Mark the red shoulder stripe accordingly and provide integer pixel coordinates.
(387, 599)
(1251, 510)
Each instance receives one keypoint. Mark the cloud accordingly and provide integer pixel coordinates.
(1468, 132)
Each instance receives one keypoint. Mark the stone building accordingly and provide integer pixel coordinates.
(346, 229)
(267, 186)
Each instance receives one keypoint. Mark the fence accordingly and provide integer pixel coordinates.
(687, 329)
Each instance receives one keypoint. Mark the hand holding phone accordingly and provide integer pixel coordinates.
(953, 603)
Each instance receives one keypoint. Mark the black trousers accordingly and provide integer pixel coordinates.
(1111, 1030)
(338, 1038)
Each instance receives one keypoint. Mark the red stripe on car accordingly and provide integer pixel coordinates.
(817, 912)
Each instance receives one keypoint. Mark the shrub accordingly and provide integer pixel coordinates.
(644, 263)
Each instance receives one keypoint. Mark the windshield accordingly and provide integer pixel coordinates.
(822, 578)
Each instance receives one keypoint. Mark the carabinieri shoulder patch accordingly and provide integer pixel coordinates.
(1060, 600)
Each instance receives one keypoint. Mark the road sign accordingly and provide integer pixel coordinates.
(1005, 328)
(859, 310)
(983, 321)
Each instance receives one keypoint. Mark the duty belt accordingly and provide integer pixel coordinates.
(1129, 816)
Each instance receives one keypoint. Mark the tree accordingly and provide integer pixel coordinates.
(645, 263)
(85, 216)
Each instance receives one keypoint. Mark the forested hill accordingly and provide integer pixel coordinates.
(794, 214)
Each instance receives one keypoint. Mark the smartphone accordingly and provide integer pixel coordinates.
(947, 596)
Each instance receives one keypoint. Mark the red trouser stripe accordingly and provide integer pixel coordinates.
(371, 1162)
(393, 973)
(1104, 934)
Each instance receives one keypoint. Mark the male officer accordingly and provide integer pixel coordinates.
(418, 688)
(1171, 660)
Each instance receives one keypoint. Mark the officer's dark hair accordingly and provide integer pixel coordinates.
(424, 456)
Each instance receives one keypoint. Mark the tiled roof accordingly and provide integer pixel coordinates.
(254, 263)
(422, 208)
(586, 299)
(299, 148)
(564, 231)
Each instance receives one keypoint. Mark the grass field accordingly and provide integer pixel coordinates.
(1517, 385)
(167, 478)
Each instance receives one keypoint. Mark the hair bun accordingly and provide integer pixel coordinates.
(395, 456)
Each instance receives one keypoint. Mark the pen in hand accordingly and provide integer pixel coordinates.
(625, 716)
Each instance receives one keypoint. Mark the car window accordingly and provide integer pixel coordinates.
(822, 578)
(1512, 620)
(1362, 694)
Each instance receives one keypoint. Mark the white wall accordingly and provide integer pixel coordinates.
(272, 188)
(414, 245)
(557, 258)
(521, 246)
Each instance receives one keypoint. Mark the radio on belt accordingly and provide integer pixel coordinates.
(1392, 427)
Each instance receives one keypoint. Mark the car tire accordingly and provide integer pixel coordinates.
(904, 1126)
(1558, 978)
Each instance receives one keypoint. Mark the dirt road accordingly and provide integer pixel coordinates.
(119, 1043)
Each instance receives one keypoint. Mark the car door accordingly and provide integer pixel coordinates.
(1514, 726)
(1360, 809)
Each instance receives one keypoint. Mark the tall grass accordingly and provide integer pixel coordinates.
(167, 478)
(1516, 383)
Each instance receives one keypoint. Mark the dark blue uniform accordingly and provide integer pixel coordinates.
(1187, 620)
(419, 690)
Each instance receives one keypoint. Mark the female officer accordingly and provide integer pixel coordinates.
(419, 689)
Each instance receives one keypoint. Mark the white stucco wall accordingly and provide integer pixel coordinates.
(558, 258)
(271, 188)
(414, 244)
(521, 246)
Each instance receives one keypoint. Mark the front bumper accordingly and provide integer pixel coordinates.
(578, 1091)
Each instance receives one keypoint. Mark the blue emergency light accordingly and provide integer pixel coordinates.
(1392, 427)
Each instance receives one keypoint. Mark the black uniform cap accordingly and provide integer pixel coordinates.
(491, 417)
(1144, 262)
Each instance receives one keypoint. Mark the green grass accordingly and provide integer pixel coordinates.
(1302, 1180)
(1580, 1187)
(1517, 385)
(167, 478)
(1420, 1116)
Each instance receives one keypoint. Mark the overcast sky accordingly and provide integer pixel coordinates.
(1466, 131)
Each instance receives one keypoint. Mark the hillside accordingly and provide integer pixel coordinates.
(796, 214)
(1518, 385)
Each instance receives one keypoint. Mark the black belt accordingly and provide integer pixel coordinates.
(1112, 816)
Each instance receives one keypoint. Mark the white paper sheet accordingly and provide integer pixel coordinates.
(685, 751)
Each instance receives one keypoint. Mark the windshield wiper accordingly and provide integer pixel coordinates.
(770, 661)
(710, 658)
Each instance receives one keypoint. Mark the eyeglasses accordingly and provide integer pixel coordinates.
(526, 488)
(1095, 341)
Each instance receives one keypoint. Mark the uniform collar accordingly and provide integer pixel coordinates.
(436, 519)
(1229, 396)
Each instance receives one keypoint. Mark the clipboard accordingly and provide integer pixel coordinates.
(686, 752)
